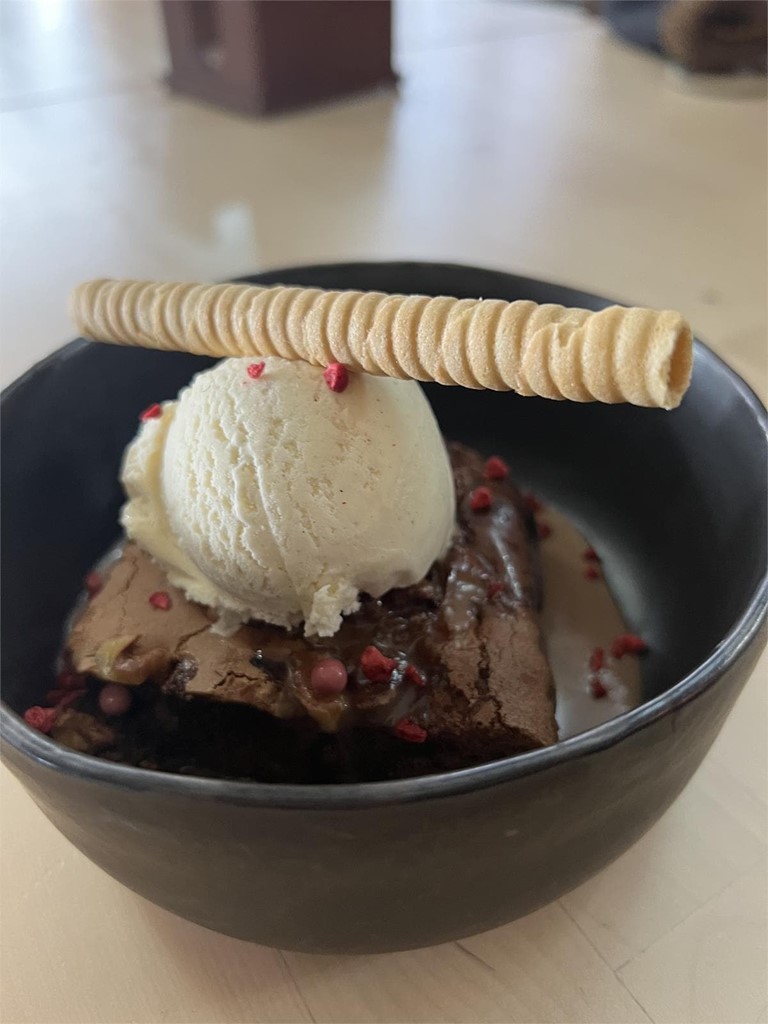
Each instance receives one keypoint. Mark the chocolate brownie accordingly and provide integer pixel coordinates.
(447, 673)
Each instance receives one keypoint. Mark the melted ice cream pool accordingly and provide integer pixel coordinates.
(578, 615)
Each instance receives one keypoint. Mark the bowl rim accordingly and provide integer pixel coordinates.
(46, 753)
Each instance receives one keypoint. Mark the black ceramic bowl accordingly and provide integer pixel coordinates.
(678, 502)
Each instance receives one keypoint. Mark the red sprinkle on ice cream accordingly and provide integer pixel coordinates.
(151, 412)
(336, 376)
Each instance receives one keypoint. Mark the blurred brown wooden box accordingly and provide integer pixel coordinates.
(260, 56)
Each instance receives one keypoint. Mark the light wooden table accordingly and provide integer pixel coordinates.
(523, 138)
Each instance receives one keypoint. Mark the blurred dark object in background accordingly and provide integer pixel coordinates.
(716, 36)
(713, 36)
(260, 56)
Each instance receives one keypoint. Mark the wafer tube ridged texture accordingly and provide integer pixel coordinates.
(618, 354)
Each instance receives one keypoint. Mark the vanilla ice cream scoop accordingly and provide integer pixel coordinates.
(276, 498)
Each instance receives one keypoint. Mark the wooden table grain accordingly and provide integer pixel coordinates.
(523, 137)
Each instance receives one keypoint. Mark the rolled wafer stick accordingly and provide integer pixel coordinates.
(620, 354)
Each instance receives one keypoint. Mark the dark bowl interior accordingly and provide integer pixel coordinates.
(677, 503)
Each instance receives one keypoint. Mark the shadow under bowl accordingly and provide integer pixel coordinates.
(678, 503)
